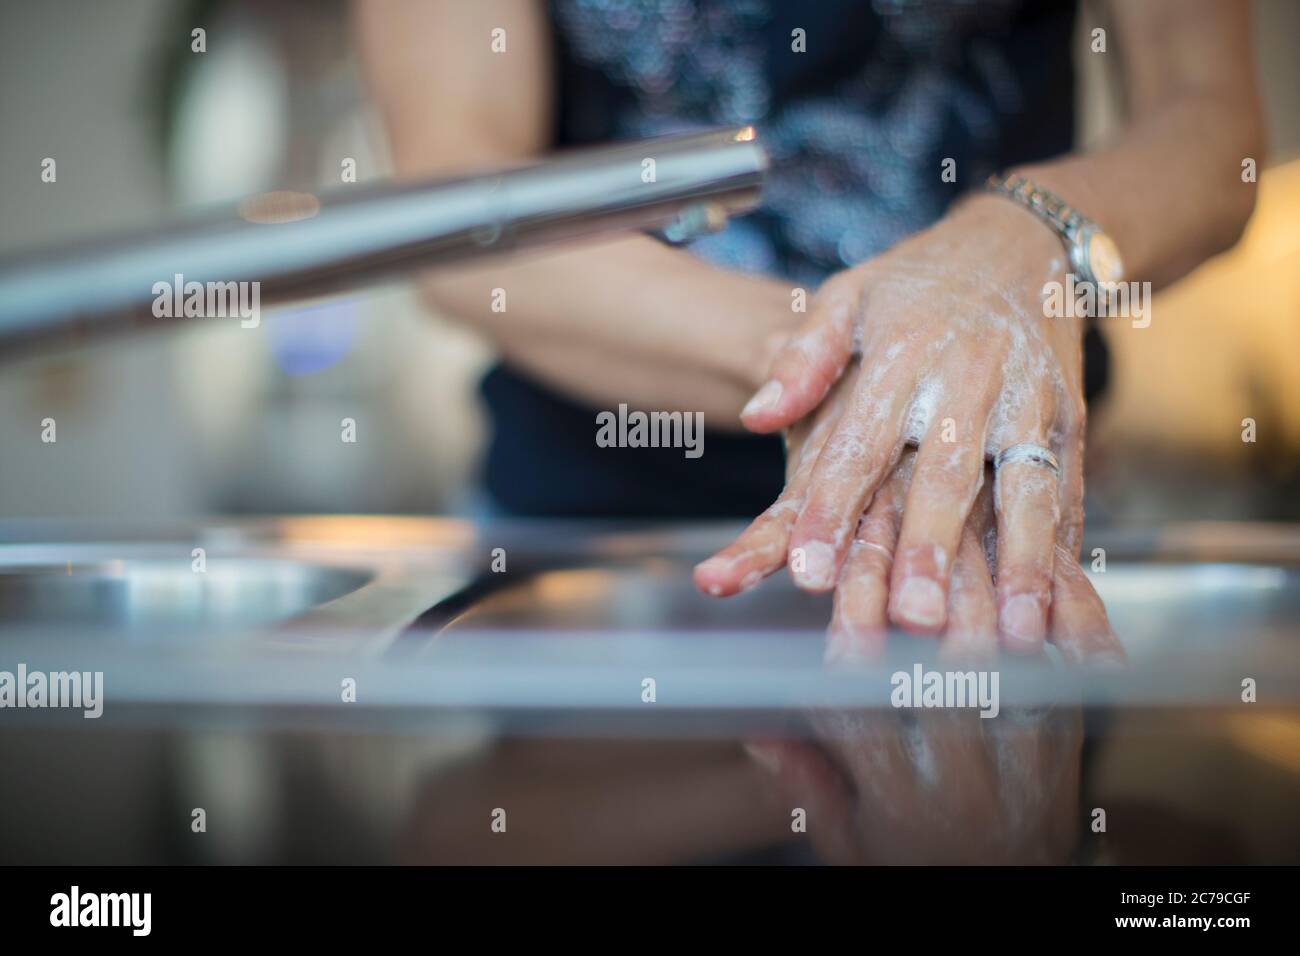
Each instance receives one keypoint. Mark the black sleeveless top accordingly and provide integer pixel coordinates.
(859, 104)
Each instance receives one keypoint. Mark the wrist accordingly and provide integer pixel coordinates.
(1021, 254)
(1013, 236)
(1093, 255)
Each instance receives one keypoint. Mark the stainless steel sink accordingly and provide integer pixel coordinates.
(1187, 609)
(411, 609)
(157, 595)
(222, 689)
(225, 613)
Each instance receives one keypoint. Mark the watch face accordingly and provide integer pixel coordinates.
(1103, 258)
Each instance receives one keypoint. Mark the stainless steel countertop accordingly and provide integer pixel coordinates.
(409, 608)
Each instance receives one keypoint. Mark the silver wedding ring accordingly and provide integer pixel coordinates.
(1030, 454)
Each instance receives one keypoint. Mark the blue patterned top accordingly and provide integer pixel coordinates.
(859, 103)
(858, 124)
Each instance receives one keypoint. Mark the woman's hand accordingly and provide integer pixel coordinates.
(1078, 625)
(959, 359)
(1078, 628)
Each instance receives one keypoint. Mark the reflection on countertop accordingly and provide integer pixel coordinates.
(499, 716)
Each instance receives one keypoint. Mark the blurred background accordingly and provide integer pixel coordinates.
(211, 420)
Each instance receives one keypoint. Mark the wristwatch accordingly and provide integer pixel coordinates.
(1093, 254)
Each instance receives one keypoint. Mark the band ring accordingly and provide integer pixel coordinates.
(1030, 454)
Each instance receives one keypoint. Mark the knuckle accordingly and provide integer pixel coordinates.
(946, 481)
(846, 446)
(868, 566)
(775, 520)
(793, 359)
(1078, 426)
(824, 521)
(775, 343)
(1024, 577)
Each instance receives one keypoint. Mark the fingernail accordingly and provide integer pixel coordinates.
(818, 566)
(709, 564)
(765, 757)
(764, 399)
(1022, 620)
(709, 569)
(920, 602)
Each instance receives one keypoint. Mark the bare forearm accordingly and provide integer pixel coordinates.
(1169, 195)
(1170, 189)
(632, 321)
(604, 379)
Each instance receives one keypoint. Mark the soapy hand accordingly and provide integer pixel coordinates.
(957, 358)
(942, 786)
(1077, 623)
(948, 786)
(1078, 626)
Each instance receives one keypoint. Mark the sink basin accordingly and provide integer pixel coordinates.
(1192, 608)
(223, 690)
(104, 592)
(153, 595)
(412, 611)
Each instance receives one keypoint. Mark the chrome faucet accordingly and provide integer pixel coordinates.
(295, 245)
